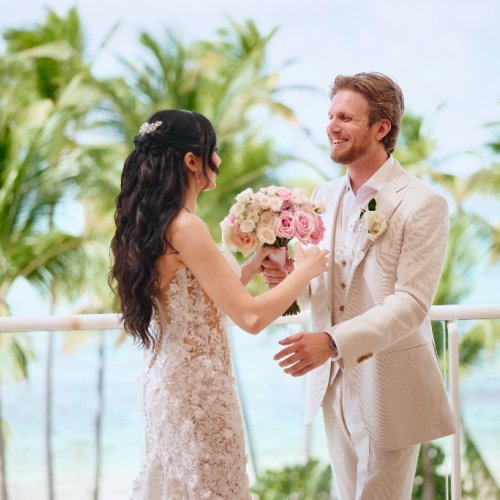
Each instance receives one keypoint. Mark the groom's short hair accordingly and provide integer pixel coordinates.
(384, 97)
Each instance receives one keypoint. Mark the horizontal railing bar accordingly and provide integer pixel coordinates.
(112, 321)
(465, 311)
(73, 322)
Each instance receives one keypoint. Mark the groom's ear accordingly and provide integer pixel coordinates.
(383, 127)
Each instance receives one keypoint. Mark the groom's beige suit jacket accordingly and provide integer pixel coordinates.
(385, 339)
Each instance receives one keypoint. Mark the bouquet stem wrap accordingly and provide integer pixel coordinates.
(281, 258)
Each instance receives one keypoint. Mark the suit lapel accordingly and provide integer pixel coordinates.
(388, 199)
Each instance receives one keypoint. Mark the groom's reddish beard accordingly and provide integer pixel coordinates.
(356, 150)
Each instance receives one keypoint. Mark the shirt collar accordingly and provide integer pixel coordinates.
(377, 180)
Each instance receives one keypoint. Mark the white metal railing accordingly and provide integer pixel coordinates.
(112, 321)
(449, 313)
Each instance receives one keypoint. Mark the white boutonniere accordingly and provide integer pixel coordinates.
(372, 222)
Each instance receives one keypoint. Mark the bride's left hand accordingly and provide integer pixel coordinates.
(253, 266)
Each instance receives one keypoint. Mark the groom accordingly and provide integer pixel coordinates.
(370, 358)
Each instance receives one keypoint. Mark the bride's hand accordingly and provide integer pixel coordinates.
(253, 266)
(312, 258)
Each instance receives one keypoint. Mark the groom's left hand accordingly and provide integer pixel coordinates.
(304, 352)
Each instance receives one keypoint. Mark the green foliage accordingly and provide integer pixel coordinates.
(477, 481)
(414, 147)
(39, 154)
(16, 352)
(50, 70)
(428, 476)
(468, 248)
(479, 341)
(311, 481)
(228, 80)
(487, 179)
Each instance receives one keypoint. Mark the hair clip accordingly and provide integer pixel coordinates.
(147, 128)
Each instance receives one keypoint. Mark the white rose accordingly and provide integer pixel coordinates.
(249, 216)
(298, 197)
(275, 204)
(270, 190)
(224, 226)
(267, 219)
(245, 196)
(252, 211)
(263, 200)
(238, 209)
(266, 235)
(374, 223)
(247, 226)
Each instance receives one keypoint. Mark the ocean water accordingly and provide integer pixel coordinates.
(272, 401)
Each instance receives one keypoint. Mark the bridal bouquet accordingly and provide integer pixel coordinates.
(272, 217)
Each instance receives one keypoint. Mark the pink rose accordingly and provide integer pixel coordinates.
(231, 218)
(304, 225)
(319, 230)
(288, 206)
(285, 225)
(283, 192)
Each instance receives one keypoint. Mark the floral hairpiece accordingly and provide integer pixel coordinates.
(147, 128)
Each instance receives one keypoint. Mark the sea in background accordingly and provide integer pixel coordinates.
(273, 405)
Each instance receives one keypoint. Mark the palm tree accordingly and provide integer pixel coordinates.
(43, 101)
(52, 77)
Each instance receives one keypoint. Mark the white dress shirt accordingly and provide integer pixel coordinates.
(352, 204)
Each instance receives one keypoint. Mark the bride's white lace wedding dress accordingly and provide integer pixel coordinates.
(194, 434)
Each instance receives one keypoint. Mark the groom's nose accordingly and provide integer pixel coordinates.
(333, 127)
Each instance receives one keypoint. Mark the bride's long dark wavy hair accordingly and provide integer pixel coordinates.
(153, 191)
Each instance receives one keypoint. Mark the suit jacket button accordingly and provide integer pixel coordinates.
(341, 308)
(366, 356)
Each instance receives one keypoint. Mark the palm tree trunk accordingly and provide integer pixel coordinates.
(99, 413)
(49, 414)
(308, 441)
(429, 491)
(246, 420)
(48, 392)
(3, 476)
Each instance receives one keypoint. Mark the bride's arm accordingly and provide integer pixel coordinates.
(197, 250)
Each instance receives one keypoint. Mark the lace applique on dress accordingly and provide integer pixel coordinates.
(194, 433)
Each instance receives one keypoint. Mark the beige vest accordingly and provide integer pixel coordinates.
(341, 266)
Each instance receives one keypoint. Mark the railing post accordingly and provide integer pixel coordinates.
(456, 476)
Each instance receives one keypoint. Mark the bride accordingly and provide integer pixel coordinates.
(175, 286)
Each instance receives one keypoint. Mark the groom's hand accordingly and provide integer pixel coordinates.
(274, 273)
(304, 352)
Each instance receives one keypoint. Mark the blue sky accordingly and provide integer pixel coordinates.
(442, 52)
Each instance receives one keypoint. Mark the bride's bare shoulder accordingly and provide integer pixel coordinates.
(188, 226)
